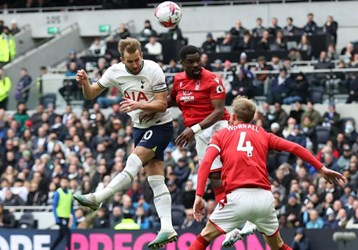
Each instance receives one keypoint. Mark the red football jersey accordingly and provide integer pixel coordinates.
(243, 150)
(193, 97)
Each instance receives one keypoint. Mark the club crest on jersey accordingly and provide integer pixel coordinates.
(197, 85)
(187, 97)
(187, 92)
(219, 89)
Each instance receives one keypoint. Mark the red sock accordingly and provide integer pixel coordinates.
(219, 193)
(199, 243)
(285, 247)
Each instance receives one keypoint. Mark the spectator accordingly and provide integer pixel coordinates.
(204, 58)
(23, 86)
(313, 114)
(228, 44)
(182, 172)
(36, 197)
(350, 132)
(311, 27)
(304, 47)
(127, 223)
(290, 29)
(274, 27)
(72, 57)
(189, 221)
(332, 119)
(7, 46)
(101, 220)
(300, 240)
(347, 53)
(21, 115)
(7, 219)
(331, 27)
(171, 69)
(175, 33)
(122, 32)
(294, 55)
(141, 218)
(343, 160)
(110, 99)
(218, 66)
(280, 114)
(332, 53)
(238, 30)
(154, 47)
(148, 31)
(14, 29)
(352, 91)
(280, 42)
(353, 222)
(247, 43)
(298, 91)
(209, 46)
(98, 47)
(242, 85)
(264, 44)
(5, 87)
(315, 221)
(116, 216)
(175, 193)
(292, 210)
(280, 87)
(259, 29)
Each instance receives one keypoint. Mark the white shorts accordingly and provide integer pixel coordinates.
(202, 140)
(246, 204)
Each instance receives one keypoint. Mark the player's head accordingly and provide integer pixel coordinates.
(131, 54)
(243, 110)
(65, 182)
(190, 60)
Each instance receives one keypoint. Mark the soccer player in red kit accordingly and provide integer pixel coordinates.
(200, 95)
(243, 149)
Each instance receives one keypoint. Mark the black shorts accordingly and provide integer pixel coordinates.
(155, 138)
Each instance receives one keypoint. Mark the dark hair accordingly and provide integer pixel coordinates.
(187, 50)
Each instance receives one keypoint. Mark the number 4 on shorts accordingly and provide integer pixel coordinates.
(247, 148)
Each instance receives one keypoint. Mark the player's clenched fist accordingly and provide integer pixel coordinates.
(81, 76)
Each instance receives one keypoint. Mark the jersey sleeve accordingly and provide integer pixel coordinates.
(215, 142)
(158, 80)
(217, 90)
(281, 144)
(107, 81)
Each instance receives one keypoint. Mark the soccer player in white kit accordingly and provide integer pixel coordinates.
(142, 83)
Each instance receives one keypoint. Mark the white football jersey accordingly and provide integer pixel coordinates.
(141, 88)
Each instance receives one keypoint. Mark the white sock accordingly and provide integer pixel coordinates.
(121, 180)
(162, 201)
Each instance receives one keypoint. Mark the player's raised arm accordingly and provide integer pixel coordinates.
(284, 145)
(90, 91)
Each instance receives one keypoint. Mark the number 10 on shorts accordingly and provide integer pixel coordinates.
(247, 148)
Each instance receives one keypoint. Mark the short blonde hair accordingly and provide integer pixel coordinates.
(129, 45)
(244, 108)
